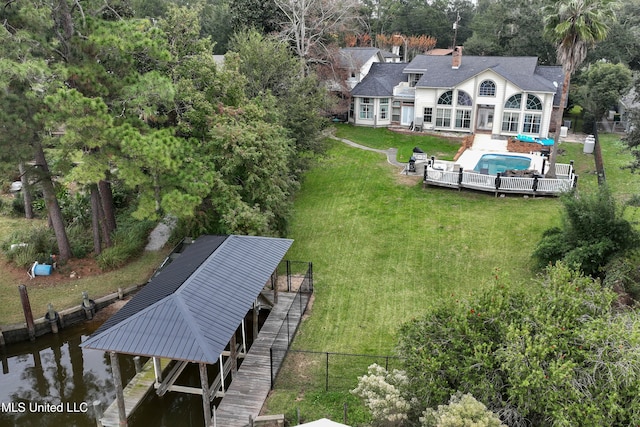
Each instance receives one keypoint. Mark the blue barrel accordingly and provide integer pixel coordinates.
(42, 270)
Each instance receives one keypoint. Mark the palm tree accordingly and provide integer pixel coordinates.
(574, 26)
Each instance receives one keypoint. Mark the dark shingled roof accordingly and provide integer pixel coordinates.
(380, 81)
(192, 308)
(522, 71)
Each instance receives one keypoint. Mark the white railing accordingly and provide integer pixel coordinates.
(442, 176)
(563, 169)
(514, 184)
(500, 184)
(478, 180)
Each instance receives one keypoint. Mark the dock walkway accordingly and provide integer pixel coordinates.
(249, 389)
(134, 393)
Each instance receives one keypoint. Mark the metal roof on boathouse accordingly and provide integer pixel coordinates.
(190, 310)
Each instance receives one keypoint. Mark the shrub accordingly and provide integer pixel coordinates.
(594, 231)
(463, 410)
(39, 244)
(128, 242)
(554, 354)
(80, 239)
(623, 274)
(382, 392)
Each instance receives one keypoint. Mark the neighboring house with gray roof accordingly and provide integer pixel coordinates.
(357, 61)
(502, 96)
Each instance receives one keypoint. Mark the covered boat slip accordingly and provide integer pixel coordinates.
(191, 312)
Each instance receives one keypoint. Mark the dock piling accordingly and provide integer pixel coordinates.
(28, 315)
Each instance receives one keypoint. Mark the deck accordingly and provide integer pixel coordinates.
(249, 389)
(134, 393)
(451, 175)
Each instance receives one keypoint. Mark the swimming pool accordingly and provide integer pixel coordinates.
(493, 164)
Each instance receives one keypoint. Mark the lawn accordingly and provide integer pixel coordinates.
(67, 293)
(384, 249)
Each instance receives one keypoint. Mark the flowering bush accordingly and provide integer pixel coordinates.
(463, 410)
(382, 392)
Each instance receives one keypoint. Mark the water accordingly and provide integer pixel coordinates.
(493, 164)
(54, 372)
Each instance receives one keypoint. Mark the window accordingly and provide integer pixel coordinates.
(533, 103)
(428, 115)
(395, 111)
(366, 108)
(351, 109)
(487, 88)
(532, 123)
(443, 117)
(510, 122)
(464, 99)
(463, 119)
(384, 108)
(446, 98)
(413, 79)
(514, 102)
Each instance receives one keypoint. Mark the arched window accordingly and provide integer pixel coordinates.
(487, 88)
(464, 99)
(514, 102)
(446, 98)
(533, 102)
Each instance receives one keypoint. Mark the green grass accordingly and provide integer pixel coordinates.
(382, 138)
(384, 251)
(69, 293)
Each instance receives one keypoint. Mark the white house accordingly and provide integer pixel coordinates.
(357, 61)
(501, 96)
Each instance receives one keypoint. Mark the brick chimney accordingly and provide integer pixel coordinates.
(456, 59)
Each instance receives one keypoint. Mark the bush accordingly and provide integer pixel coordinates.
(382, 392)
(80, 239)
(623, 274)
(554, 354)
(463, 410)
(38, 245)
(129, 240)
(594, 231)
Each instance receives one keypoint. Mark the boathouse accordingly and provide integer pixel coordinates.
(191, 312)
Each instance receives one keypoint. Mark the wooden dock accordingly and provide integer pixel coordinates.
(137, 389)
(249, 389)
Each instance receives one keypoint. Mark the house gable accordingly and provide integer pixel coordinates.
(357, 61)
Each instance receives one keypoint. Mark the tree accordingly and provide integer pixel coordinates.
(509, 28)
(556, 353)
(574, 26)
(594, 231)
(32, 43)
(308, 23)
(601, 85)
(632, 139)
(622, 44)
(83, 150)
(270, 68)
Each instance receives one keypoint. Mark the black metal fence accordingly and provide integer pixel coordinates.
(299, 276)
(325, 371)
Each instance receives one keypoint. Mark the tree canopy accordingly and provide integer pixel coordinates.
(559, 353)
